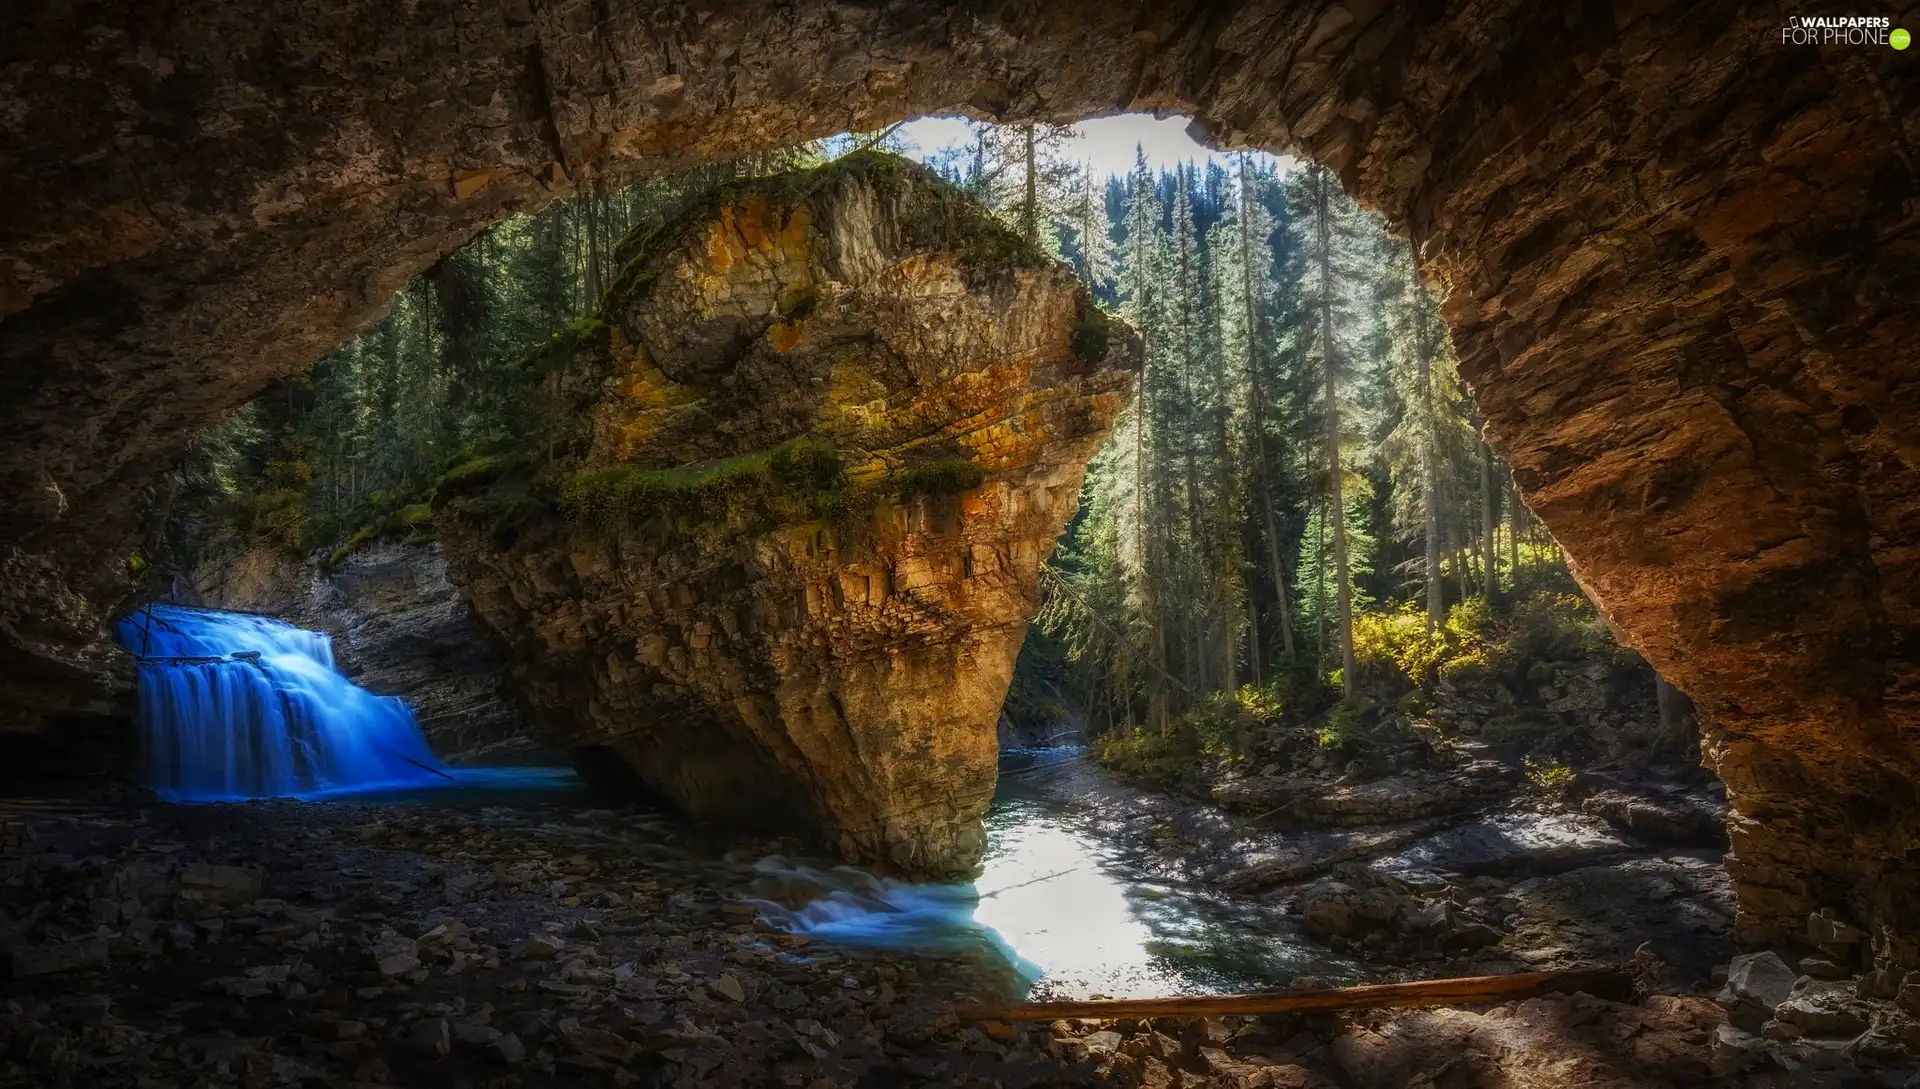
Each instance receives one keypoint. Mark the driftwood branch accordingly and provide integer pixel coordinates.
(1610, 981)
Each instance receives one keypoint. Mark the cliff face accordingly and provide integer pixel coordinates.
(399, 629)
(1678, 252)
(781, 551)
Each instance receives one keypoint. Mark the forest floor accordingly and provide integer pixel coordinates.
(447, 943)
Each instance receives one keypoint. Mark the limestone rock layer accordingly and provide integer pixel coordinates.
(777, 554)
(1680, 255)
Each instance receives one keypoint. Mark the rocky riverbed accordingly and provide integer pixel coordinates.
(532, 940)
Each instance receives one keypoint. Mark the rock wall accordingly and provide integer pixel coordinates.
(1677, 251)
(807, 467)
(399, 628)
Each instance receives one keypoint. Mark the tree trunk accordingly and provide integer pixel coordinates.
(1253, 639)
(1515, 519)
(1030, 203)
(1337, 510)
(1429, 456)
(1256, 397)
(1489, 522)
(1606, 981)
(593, 284)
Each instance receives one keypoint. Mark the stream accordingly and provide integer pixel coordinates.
(1073, 913)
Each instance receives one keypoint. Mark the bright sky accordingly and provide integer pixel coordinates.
(1105, 143)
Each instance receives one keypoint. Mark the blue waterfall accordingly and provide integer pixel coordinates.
(235, 706)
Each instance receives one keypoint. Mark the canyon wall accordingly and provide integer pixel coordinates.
(774, 537)
(1676, 250)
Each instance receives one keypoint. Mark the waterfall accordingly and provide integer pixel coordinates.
(235, 706)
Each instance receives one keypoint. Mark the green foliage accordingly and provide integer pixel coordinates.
(385, 517)
(1093, 333)
(796, 480)
(1343, 730)
(1550, 777)
(471, 471)
(1221, 728)
(1465, 669)
(557, 353)
(1557, 627)
(1145, 754)
(1396, 640)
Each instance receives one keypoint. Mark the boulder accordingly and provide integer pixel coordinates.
(773, 547)
(1335, 909)
(1756, 984)
(1824, 1008)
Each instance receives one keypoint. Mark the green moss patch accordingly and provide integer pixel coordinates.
(560, 350)
(795, 480)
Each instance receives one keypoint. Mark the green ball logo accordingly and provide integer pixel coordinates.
(1900, 38)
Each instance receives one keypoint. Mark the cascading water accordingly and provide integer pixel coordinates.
(235, 706)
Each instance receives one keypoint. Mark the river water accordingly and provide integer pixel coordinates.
(1075, 914)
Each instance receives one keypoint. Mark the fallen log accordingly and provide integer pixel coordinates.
(1611, 981)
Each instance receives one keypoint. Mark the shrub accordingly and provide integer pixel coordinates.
(1396, 642)
(1465, 669)
(1556, 627)
(1144, 753)
(1222, 727)
(1550, 777)
(1344, 728)
(1225, 726)
(1469, 622)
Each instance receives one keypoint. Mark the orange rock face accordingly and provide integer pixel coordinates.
(822, 647)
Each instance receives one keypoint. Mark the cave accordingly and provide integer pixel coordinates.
(1673, 247)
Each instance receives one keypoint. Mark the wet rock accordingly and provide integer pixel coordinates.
(1881, 984)
(1908, 997)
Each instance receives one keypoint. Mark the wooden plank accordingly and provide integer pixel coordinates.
(1608, 981)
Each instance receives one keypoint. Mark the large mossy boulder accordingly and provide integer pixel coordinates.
(772, 539)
